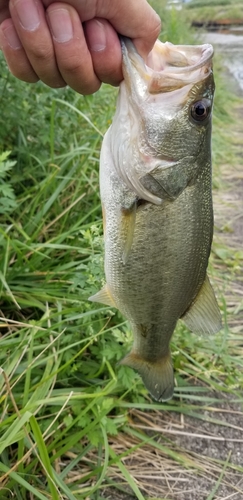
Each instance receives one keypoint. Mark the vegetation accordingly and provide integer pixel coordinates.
(69, 414)
(203, 3)
(214, 11)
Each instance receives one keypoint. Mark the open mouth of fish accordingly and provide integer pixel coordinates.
(169, 67)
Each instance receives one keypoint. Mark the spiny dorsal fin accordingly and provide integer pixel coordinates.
(204, 316)
(104, 297)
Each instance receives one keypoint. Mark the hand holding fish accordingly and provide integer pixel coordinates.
(74, 43)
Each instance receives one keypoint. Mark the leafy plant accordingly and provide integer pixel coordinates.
(7, 196)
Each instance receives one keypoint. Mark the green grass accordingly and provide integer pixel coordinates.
(175, 23)
(203, 3)
(214, 10)
(69, 424)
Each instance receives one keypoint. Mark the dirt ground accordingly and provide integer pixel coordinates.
(212, 446)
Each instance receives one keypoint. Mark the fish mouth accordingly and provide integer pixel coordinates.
(168, 67)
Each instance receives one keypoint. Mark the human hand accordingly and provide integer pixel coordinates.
(74, 43)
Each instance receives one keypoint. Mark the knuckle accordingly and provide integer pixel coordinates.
(40, 53)
(71, 65)
(79, 77)
(157, 29)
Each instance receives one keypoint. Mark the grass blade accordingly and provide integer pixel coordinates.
(44, 458)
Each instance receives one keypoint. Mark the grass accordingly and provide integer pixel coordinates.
(203, 3)
(214, 10)
(73, 425)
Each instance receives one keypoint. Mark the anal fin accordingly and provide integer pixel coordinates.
(104, 297)
(204, 316)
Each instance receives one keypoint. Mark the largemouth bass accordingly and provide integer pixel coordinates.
(155, 183)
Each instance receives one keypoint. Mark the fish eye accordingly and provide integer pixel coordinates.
(200, 110)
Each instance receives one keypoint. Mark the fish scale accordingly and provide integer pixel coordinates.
(155, 183)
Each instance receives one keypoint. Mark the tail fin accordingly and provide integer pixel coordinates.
(158, 376)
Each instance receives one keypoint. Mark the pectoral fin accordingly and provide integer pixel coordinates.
(204, 316)
(104, 297)
(127, 230)
(158, 376)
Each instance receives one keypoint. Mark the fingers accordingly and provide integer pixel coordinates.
(14, 53)
(29, 19)
(105, 49)
(72, 54)
(75, 42)
(139, 22)
(49, 46)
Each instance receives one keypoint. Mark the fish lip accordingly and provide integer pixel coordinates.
(193, 64)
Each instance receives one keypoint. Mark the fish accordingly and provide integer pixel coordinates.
(156, 195)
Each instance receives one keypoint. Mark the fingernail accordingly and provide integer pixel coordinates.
(11, 37)
(97, 37)
(28, 14)
(60, 24)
